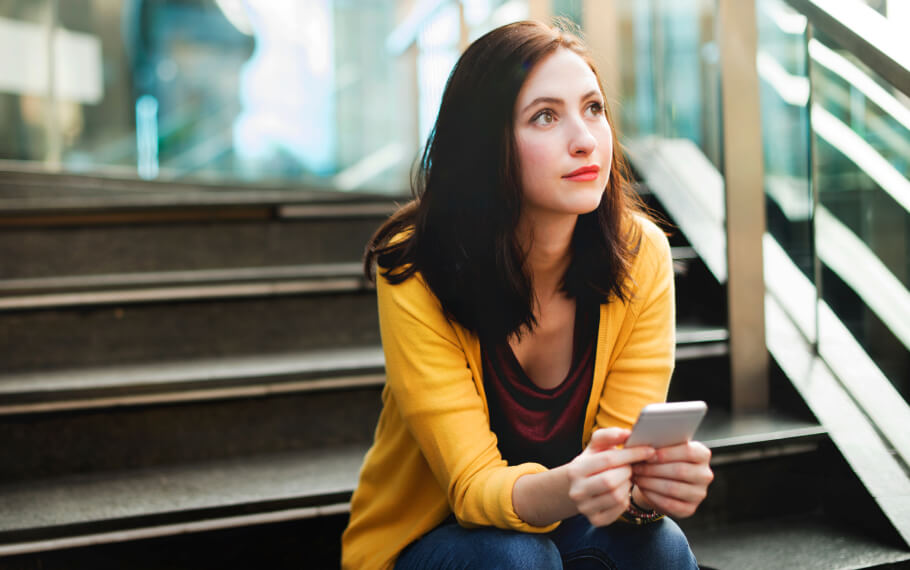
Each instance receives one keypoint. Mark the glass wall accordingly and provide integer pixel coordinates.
(861, 133)
(837, 160)
(670, 72)
(670, 115)
(783, 71)
(330, 93)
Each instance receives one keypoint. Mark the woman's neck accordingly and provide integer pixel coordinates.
(548, 243)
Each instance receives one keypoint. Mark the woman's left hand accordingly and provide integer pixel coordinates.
(675, 480)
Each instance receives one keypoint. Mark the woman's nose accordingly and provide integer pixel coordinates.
(582, 142)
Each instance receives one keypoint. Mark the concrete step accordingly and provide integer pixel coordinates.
(128, 505)
(171, 411)
(192, 380)
(311, 543)
(231, 502)
(152, 436)
(171, 381)
(798, 542)
(210, 326)
(807, 542)
(79, 244)
(52, 511)
(166, 286)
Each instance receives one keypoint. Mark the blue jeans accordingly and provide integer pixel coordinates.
(575, 544)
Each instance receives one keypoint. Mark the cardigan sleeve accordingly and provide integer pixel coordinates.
(428, 375)
(642, 360)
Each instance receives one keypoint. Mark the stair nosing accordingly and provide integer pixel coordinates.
(50, 293)
(219, 378)
(249, 485)
(767, 437)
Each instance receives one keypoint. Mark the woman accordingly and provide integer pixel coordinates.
(526, 310)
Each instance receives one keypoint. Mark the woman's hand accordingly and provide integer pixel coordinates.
(675, 480)
(600, 478)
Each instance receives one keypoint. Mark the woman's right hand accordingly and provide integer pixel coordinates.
(600, 478)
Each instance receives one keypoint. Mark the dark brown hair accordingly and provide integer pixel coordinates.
(459, 232)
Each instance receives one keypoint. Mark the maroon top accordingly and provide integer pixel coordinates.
(533, 424)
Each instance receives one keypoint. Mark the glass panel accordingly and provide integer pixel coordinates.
(670, 115)
(861, 128)
(334, 93)
(784, 91)
(669, 111)
(670, 79)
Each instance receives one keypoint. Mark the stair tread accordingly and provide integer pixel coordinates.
(214, 373)
(60, 293)
(808, 542)
(79, 504)
(722, 431)
(107, 500)
(691, 333)
(207, 373)
(81, 283)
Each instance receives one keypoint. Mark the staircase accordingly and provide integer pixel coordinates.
(189, 378)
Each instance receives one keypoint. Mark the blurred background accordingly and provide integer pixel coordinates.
(186, 187)
(341, 95)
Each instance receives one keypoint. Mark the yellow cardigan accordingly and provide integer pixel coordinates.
(434, 453)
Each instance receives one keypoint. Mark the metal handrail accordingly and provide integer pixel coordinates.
(874, 45)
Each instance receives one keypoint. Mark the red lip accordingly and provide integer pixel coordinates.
(593, 169)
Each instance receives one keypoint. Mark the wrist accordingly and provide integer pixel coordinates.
(637, 514)
(638, 499)
(541, 499)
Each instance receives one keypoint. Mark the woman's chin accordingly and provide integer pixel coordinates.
(587, 202)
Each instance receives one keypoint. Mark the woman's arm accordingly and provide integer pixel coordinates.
(433, 387)
(596, 483)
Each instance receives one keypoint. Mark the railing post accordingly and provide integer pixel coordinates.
(745, 204)
(54, 142)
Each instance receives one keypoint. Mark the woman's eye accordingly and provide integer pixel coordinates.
(596, 108)
(544, 118)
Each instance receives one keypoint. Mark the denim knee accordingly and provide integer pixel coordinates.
(452, 547)
(671, 546)
(658, 545)
(519, 550)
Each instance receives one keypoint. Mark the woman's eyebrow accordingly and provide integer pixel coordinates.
(550, 100)
(558, 101)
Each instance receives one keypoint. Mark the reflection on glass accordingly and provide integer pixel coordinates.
(333, 93)
(24, 105)
(287, 86)
(670, 115)
(784, 92)
(861, 131)
(671, 77)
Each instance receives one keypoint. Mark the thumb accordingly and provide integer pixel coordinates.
(608, 438)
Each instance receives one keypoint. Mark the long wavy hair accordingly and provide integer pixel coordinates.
(459, 231)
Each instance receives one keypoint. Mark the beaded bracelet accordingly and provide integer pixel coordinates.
(638, 516)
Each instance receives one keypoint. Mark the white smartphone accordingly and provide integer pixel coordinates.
(660, 425)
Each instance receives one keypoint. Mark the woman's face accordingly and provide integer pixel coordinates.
(563, 140)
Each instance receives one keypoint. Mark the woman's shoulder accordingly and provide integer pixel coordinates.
(653, 246)
(653, 238)
(413, 290)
